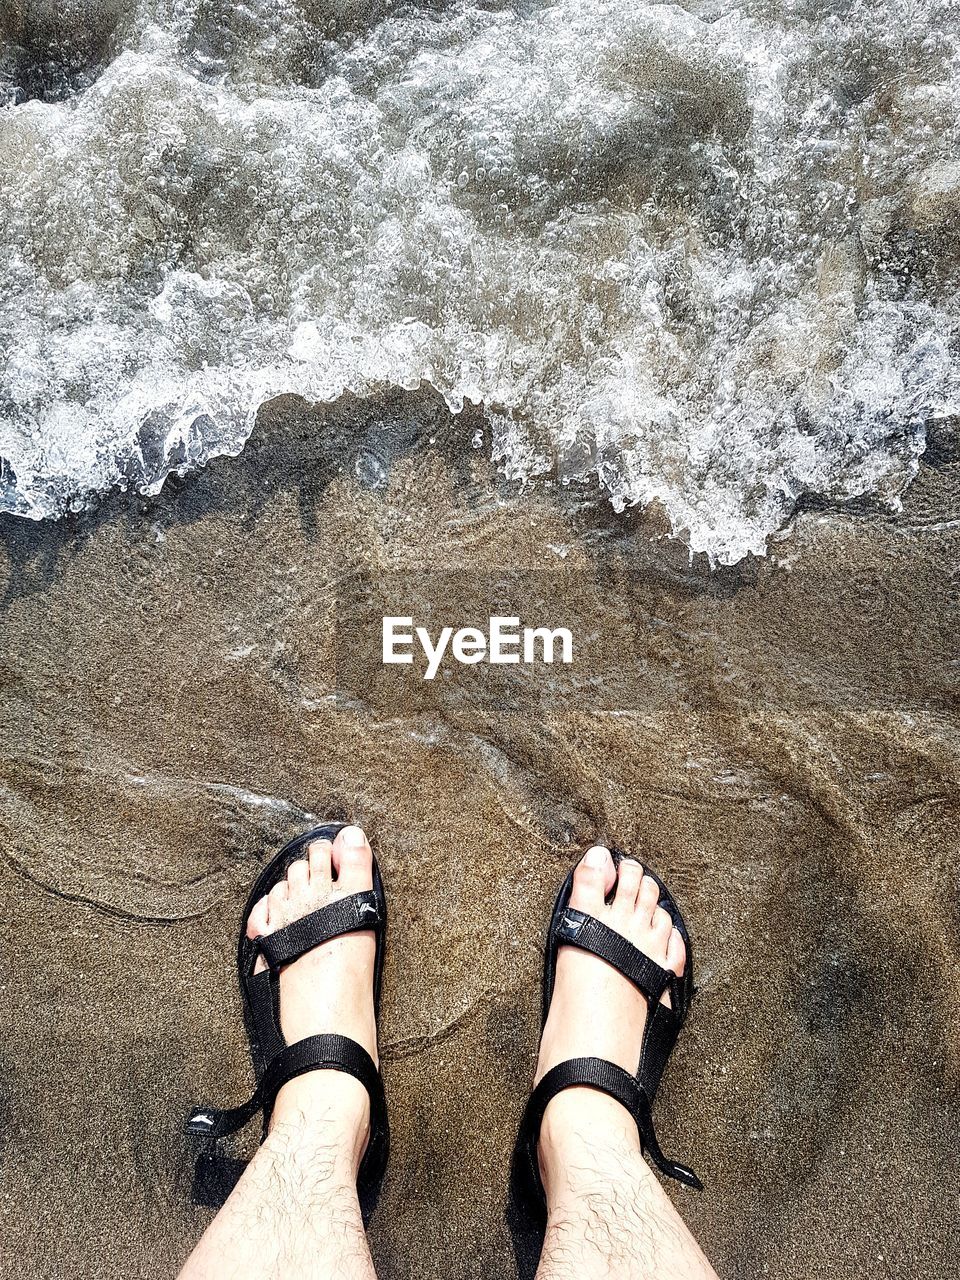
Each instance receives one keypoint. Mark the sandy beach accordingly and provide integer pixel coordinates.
(781, 743)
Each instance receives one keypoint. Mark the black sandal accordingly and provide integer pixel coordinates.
(570, 927)
(274, 1061)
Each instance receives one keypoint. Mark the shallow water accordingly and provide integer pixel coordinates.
(703, 254)
(783, 748)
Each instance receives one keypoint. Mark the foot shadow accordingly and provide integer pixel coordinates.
(525, 1221)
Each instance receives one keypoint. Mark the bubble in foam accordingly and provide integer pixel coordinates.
(706, 255)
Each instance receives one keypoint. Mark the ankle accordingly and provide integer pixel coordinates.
(585, 1137)
(324, 1110)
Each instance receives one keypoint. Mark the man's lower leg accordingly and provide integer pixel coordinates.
(608, 1216)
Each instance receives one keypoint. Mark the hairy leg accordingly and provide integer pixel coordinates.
(608, 1218)
(294, 1215)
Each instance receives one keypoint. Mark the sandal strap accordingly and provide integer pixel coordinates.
(612, 1080)
(346, 915)
(578, 929)
(315, 1053)
(216, 1174)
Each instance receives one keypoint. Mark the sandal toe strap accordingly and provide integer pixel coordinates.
(346, 915)
(576, 928)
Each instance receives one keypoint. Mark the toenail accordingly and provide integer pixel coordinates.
(596, 857)
(353, 836)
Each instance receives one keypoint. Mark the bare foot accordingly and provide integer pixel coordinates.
(328, 990)
(597, 1013)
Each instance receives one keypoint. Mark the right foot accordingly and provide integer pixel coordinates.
(327, 991)
(597, 1013)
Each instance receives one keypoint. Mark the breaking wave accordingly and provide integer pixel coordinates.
(707, 254)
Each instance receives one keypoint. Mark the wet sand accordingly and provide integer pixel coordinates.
(781, 742)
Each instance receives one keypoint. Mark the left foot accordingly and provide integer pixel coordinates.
(327, 991)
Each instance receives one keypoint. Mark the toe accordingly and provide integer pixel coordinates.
(592, 880)
(352, 860)
(647, 898)
(629, 876)
(277, 902)
(661, 925)
(258, 926)
(676, 958)
(298, 877)
(676, 953)
(319, 860)
(258, 921)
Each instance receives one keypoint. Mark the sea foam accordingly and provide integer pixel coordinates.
(707, 255)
